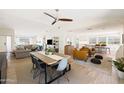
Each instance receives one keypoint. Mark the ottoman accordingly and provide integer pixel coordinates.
(98, 57)
(95, 61)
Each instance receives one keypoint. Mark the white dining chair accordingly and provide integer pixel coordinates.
(62, 65)
(61, 68)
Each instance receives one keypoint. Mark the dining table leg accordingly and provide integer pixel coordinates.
(69, 67)
(48, 82)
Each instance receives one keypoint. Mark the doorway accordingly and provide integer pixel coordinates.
(8, 43)
(5, 43)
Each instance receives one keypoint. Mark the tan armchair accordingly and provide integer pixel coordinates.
(90, 51)
(86, 49)
(81, 55)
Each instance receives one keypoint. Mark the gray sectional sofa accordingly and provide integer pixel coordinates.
(23, 51)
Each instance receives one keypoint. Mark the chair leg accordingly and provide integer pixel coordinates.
(66, 77)
(35, 74)
(33, 67)
(50, 73)
(40, 79)
(58, 81)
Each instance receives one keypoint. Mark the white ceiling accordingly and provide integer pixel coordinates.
(33, 21)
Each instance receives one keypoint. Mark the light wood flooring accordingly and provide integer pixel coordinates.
(19, 72)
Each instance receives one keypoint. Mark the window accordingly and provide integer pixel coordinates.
(22, 40)
(105, 40)
(114, 40)
(101, 39)
(92, 40)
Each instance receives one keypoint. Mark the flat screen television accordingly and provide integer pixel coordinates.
(49, 42)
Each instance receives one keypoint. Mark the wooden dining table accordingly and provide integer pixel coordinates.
(51, 60)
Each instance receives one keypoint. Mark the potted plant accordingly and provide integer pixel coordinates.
(119, 64)
(103, 43)
(50, 51)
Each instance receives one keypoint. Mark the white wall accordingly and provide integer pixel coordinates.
(8, 32)
(63, 36)
(3, 47)
(120, 51)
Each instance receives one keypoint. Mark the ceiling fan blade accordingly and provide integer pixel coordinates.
(65, 19)
(49, 15)
(54, 22)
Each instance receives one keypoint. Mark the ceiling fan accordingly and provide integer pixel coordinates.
(56, 19)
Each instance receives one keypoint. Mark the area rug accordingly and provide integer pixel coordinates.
(105, 66)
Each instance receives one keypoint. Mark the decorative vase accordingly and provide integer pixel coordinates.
(50, 53)
(120, 74)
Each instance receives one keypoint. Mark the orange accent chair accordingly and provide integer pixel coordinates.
(81, 55)
(86, 49)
